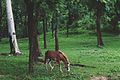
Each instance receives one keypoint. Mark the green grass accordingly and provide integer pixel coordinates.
(80, 49)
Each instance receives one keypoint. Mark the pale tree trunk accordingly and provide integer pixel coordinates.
(11, 29)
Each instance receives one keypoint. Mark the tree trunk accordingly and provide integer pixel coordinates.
(116, 19)
(32, 34)
(56, 35)
(25, 30)
(99, 34)
(44, 30)
(52, 22)
(114, 23)
(67, 28)
(11, 29)
(46, 23)
(49, 24)
(0, 20)
(68, 23)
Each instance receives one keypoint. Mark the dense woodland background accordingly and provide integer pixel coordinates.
(74, 14)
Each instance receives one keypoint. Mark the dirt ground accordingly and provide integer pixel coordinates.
(100, 78)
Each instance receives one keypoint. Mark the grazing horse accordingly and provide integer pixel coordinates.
(57, 56)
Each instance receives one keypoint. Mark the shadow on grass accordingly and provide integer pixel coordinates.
(81, 65)
(4, 54)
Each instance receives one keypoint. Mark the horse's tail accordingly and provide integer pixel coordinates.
(45, 60)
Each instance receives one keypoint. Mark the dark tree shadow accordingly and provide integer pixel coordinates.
(4, 54)
(81, 65)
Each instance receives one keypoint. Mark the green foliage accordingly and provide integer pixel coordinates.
(52, 4)
(82, 13)
(87, 22)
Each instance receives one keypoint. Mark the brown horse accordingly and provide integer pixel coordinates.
(57, 56)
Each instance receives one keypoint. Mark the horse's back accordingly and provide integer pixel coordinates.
(51, 54)
(54, 53)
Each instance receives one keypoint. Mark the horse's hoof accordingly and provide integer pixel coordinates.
(52, 68)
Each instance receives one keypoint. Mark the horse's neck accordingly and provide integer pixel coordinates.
(65, 60)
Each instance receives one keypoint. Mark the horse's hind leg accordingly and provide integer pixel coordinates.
(58, 61)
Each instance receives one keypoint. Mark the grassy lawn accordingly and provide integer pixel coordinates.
(80, 49)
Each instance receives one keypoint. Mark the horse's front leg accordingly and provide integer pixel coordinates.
(58, 61)
(46, 66)
(49, 62)
(60, 68)
(51, 66)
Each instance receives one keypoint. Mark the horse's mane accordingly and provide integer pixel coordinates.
(64, 55)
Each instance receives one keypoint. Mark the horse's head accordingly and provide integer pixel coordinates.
(67, 66)
(65, 60)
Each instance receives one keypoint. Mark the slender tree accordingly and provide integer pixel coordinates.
(98, 6)
(44, 30)
(56, 33)
(11, 29)
(98, 18)
(68, 22)
(46, 23)
(116, 18)
(117, 8)
(52, 26)
(25, 30)
(0, 19)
